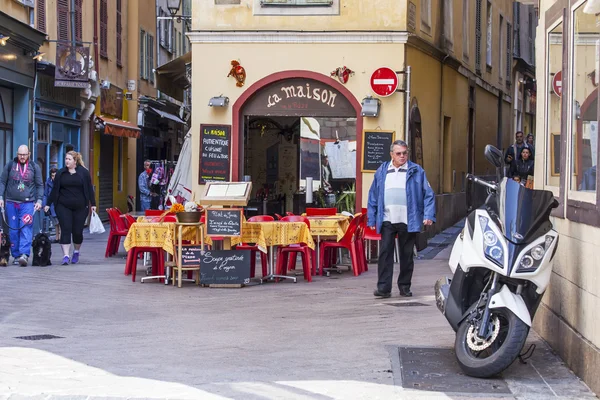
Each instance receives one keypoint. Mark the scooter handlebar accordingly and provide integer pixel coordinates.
(482, 182)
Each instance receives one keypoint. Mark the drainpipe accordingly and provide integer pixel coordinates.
(97, 67)
(441, 141)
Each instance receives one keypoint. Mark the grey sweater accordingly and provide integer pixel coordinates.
(32, 180)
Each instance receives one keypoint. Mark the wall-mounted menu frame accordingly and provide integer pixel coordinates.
(226, 193)
(215, 147)
(376, 148)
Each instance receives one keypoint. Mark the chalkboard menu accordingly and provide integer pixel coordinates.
(225, 267)
(376, 149)
(190, 255)
(215, 144)
(224, 221)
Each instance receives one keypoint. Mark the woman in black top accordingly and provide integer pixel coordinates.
(71, 195)
(523, 166)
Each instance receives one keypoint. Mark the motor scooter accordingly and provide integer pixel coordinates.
(501, 264)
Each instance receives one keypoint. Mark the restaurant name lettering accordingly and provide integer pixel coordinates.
(325, 96)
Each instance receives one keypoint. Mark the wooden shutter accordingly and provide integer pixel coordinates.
(508, 54)
(62, 19)
(103, 28)
(119, 31)
(142, 54)
(41, 15)
(150, 52)
(78, 20)
(478, 36)
(517, 21)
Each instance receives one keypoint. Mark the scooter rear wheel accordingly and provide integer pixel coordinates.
(500, 354)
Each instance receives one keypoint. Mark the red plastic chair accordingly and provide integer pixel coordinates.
(309, 265)
(158, 260)
(153, 213)
(346, 242)
(278, 216)
(311, 212)
(289, 214)
(254, 248)
(118, 229)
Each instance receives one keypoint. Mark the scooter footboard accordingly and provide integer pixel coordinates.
(513, 302)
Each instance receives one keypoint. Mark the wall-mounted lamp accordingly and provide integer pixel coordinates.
(219, 101)
(105, 84)
(3, 40)
(370, 107)
(38, 56)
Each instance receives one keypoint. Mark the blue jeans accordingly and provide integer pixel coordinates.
(20, 221)
(145, 204)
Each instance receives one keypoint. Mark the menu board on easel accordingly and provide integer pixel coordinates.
(224, 221)
(226, 193)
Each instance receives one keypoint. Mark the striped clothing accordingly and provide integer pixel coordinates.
(395, 210)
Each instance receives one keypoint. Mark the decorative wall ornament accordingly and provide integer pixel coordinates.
(238, 72)
(342, 73)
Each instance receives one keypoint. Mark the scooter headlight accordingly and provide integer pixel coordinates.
(491, 247)
(526, 262)
(538, 252)
(490, 238)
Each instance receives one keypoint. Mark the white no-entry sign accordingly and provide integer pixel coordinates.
(384, 81)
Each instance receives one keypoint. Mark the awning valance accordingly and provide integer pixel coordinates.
(167, 115)
(119, 127)
(171, 77)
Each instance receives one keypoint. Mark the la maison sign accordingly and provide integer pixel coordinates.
(299, 97)
(324, 95)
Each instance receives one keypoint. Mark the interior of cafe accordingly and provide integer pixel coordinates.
(282, 155)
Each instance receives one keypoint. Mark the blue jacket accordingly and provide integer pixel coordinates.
(47, 191)
(143, 185)
(419, 195)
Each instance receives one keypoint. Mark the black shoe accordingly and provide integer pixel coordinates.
(383, 295)
(405, 292)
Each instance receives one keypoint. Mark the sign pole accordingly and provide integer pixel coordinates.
(407, 108)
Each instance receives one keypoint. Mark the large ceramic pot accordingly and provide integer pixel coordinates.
(189, 217)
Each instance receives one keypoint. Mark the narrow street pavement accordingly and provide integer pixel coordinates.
(329, 339)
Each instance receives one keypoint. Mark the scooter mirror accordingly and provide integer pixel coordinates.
(494, 156)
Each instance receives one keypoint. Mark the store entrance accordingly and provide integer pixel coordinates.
(282, 153)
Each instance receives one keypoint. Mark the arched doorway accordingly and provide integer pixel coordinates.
(296, 117)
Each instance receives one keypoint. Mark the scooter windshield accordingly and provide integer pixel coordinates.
(521, 210)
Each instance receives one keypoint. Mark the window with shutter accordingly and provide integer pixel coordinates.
(62, 20)
(478, 36)
(500, 49)
(164, 31)
(103, 29)
(41, 15)
(119, 31)
(78, 20)
(517, 37)
(466, 30)
(170, 36)
(143, 55)
(508, 54)
(150, 51)
(488, 40)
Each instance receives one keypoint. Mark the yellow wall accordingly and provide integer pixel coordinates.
(210, 79)
(354, 15)
(441, 158)
(15, 10)
(486, 123)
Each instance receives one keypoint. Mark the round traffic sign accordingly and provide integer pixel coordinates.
(384, 81)
(557, 83)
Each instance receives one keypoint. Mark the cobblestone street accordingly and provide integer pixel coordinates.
(329, 339)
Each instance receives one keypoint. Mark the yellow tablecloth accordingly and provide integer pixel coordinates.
(334, 225)
(274, 233)
(156, 234)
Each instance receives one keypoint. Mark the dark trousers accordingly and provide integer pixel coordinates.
(71, 223)
(385, 265)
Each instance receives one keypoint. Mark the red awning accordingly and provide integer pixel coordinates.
(120, 128)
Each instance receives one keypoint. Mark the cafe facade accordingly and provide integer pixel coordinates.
(568, 40)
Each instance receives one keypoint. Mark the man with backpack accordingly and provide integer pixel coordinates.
(21, 194)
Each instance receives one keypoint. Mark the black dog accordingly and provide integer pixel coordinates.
(4, 249)
(42, 250)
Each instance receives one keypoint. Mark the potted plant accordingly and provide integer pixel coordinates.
(346, 200)
(188, 213)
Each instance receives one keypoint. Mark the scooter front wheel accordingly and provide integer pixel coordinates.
(484, 358)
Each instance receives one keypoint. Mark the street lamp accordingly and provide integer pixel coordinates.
(173, 6)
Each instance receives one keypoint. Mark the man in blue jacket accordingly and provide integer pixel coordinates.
(400, 202)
